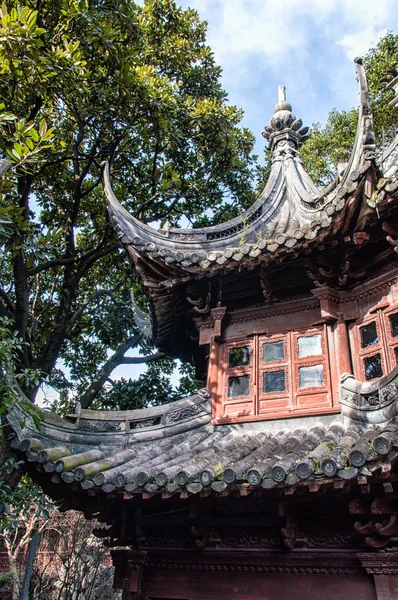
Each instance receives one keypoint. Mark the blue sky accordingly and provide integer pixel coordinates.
(307, 45)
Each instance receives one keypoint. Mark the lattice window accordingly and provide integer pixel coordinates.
(376, 344)
(238, 381)
(276, 375)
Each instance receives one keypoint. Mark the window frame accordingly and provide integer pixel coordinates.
(285, 396)
(311, 360)
(238, 371)
(392, 341)
(380, 347)
(293, 399)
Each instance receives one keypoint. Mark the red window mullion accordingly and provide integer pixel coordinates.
(293, 366)
(256, 376)
(385, 341)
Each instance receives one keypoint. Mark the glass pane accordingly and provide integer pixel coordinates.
(274, 351)
(309, 345)
(394, 324)
(239, 357)
(238, 386)
(311, 376)
(274, 381)
(396, 354)
(373, 367)
(369, 335)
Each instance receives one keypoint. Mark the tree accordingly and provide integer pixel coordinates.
(24, 511)
(85, 81)
(70, 563)
(330, 145)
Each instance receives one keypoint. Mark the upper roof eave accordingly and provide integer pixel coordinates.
(290, 210)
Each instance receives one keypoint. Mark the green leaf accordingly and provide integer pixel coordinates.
(43, 128)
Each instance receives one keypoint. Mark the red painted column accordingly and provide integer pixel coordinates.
(343, 349)
(212, 380)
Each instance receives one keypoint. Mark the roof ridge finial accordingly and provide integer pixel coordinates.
(281, 94)
(282, 104)
(283, 125)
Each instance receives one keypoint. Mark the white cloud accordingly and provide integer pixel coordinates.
(308, 45)
(357, 44)
(273, 28)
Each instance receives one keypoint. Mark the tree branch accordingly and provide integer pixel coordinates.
(139, 360)
(102, 375)
(20, 271)
(92, 187)
(145, 205)
(154, 165)
(58, 262)
(90, 258)
(87, 301)
(7, 301)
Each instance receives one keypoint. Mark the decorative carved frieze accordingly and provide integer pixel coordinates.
(288, 562)
(380, 563)
(373, 402)
(174, 416)
(99, 426)
(145, 423)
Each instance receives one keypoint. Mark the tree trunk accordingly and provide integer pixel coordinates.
(14, 575)
(33, 546)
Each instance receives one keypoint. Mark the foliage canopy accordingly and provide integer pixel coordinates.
(83, 82)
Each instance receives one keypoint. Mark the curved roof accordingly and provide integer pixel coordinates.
(290, 211)
(174, 448)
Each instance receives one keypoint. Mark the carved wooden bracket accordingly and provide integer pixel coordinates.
(335, 271)
(381, 521)
(266, 287)
(201, 306)
(202, 532)
(217, 315)
(392, 237)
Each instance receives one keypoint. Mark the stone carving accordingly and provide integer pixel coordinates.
(192, 236)
(99, 426)
(377, 399)
(223, 233)
(390, 158)
(350, 397)
(389, 393)
(284, 128)
(146, 423)
(184, 413)
(371, 400)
